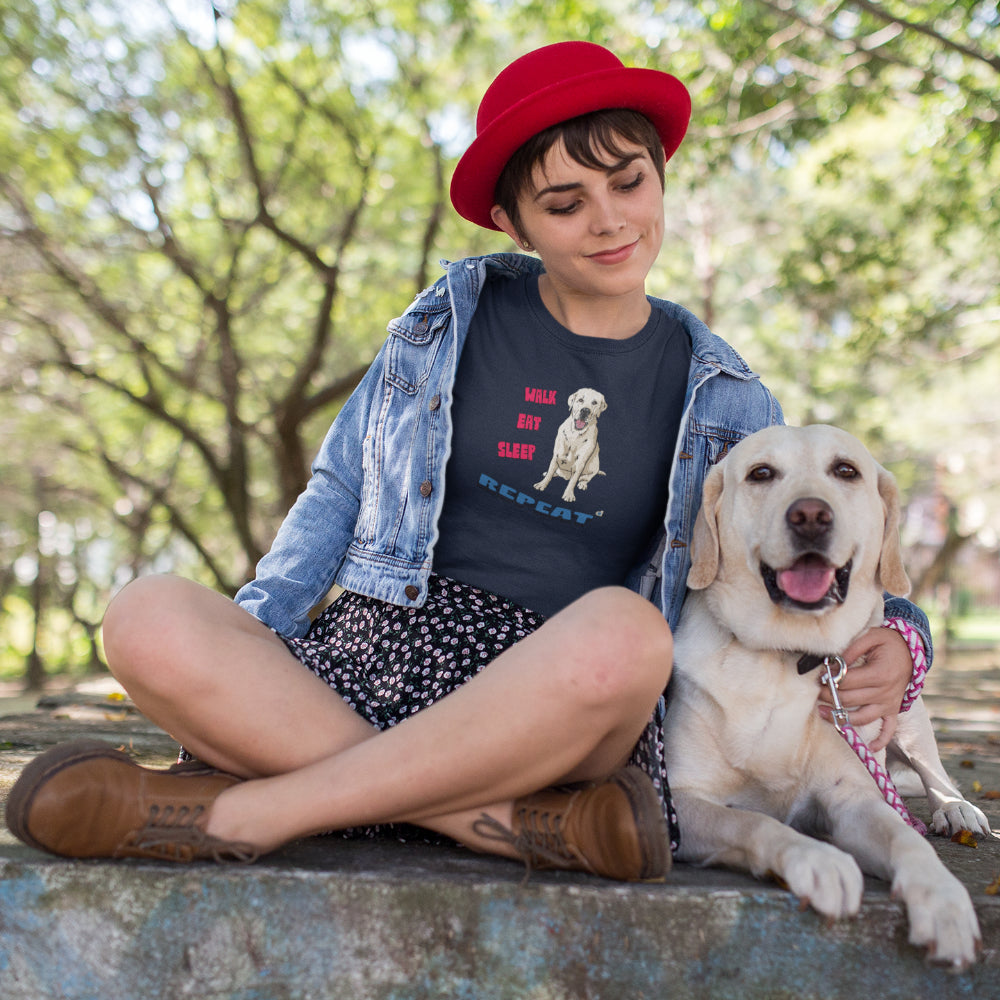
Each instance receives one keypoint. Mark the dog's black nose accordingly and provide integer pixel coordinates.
(809, 518)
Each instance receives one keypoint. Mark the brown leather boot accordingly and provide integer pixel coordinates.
(85, 799)
(614, 828)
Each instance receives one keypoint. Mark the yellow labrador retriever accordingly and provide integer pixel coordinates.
(795, 543)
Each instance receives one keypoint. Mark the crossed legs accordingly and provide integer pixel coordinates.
(567, 703)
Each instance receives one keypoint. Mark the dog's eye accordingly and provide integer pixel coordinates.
(760, 474)
(844, 470)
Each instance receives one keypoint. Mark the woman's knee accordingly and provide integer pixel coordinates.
(623, 647)
(144, 620)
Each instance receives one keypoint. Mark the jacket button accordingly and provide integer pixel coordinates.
(412, 592)
(426, 487)
(435, 402)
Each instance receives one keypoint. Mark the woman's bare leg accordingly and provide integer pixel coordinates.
(220, 682)
(568, 702)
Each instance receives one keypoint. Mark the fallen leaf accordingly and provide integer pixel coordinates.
(967, 763)
(977, 787)
(116, 696)
(966, 838)
(775, 877)
(993, 888)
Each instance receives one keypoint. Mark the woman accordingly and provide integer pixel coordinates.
(492, 494)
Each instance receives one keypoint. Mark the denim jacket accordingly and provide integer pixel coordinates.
(368, 518)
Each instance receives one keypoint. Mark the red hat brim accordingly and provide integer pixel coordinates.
(662, 98)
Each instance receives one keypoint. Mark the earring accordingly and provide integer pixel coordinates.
(526, 246)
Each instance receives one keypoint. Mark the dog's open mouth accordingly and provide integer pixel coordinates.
(811, 582)
(579, 424)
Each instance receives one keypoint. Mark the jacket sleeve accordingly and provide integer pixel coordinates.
(300, 568)
(900, 607)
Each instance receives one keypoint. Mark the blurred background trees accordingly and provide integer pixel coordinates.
(208, 214)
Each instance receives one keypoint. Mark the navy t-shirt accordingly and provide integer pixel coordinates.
(561, 450)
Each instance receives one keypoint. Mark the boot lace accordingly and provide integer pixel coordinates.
(540, 843)
(171, 833)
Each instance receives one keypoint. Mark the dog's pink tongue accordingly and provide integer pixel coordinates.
(580, 424)
(807, 581)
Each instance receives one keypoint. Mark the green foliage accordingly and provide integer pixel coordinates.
(208, 215)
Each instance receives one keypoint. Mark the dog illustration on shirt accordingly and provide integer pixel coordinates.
(576, 454)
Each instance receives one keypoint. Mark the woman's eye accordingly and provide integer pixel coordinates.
(632, 185)
(563, 209)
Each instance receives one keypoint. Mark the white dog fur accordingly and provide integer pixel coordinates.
(753, 767)
(576, 454)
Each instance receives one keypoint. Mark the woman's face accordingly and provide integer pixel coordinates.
(598, 232)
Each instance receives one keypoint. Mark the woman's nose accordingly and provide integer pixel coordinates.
(606, 216)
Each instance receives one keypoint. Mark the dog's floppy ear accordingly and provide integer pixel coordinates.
(892, 575)
(705, 538)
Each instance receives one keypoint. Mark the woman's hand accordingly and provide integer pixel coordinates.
(879, 671)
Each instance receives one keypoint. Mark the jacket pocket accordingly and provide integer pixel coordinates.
(412, 349)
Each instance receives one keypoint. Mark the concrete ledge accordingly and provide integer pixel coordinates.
(340, 920)
(329, 919)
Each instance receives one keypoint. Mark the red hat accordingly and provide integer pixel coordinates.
(548, 86)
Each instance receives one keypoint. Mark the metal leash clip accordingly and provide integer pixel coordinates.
(832, 680)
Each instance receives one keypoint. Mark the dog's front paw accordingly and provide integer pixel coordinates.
(540, 485)
(957, 814)
(823, 876)
(942, 918)
(568, 495)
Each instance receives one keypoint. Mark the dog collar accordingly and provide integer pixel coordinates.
(810, 661)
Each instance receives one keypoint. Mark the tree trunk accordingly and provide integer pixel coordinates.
(34, 671)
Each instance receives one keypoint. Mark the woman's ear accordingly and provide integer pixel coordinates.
(502, 220)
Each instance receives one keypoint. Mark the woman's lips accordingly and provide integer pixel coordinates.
(615, 256)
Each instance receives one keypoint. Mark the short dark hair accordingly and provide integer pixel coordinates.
(589, 139)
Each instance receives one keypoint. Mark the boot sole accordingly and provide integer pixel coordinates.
(40, 770)
(654, 840)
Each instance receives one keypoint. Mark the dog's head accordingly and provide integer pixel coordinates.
(796, 539)
(585, 406)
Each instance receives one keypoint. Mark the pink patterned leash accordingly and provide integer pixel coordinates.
(858, 745)
(917, 654)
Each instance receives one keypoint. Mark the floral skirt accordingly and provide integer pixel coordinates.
(388, 662)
